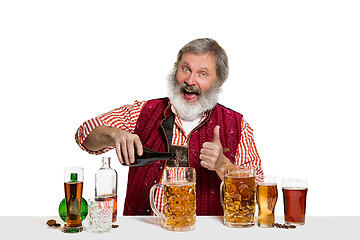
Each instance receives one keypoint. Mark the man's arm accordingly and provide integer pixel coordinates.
(124, 142)
(212, 157)
(99, 138)
(110, 130)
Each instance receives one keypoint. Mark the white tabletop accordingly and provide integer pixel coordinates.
(210, 226)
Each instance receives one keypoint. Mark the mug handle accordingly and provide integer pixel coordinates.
(152, 199)
(222, 193)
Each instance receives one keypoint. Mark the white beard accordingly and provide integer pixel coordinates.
(191, 110)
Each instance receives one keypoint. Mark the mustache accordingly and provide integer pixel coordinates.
(190, 88)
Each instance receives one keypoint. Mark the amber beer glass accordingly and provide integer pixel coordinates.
(73, 185)
(294, 194)
(266, 195)
(179, 198)
(237, 195)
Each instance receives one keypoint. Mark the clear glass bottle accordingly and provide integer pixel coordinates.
(106, 180)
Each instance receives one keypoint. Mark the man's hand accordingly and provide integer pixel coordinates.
(212, 156)
(125, 144)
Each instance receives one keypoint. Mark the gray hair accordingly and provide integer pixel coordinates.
(207, 45)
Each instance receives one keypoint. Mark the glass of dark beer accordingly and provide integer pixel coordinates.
(73, 186)
(266, 195)
(294, 194)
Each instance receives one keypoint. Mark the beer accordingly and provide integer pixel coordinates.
(239, 200)
(266, 196)
(294, 192)
(109, 197)
(73, 186)
(179, 199)
(179, 205)
(294, 205)
(73, 195)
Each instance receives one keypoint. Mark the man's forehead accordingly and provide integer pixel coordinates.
(206, 60)
(200, 55)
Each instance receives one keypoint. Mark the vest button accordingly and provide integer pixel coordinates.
(161, 168)
(154, 182)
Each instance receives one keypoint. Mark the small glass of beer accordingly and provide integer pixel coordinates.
(266, 195)
(237, 195)
(73, 185)
(294, 194)
(179, 198)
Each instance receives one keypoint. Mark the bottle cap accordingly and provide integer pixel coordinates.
(74, 177)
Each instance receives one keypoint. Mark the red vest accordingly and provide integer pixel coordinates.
(152, 135)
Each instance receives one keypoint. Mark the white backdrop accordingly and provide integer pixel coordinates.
(294, 73)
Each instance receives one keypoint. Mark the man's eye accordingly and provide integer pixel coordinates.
(185, 69)
(202, 74)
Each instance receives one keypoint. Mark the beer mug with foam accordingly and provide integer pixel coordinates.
(237, 195)
(179, 198)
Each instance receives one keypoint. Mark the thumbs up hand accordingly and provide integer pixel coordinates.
(216, 138)
(211, 153)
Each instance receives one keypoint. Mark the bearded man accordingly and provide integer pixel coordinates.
(213, 137)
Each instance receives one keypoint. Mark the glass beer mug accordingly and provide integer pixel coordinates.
(73, 186)
(237, 195)
(179, 198)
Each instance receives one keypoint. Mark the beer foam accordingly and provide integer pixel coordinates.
(294, 188)
(267, 183)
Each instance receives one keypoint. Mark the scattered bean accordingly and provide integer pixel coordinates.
(53, 223)
(286, 226)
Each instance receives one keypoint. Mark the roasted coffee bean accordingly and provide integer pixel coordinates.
(51, 222)
(286, 226)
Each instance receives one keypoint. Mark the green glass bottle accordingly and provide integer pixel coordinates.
(84, 205)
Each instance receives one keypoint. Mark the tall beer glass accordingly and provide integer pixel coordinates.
(294, 193)
(266, 195)
(73, 186)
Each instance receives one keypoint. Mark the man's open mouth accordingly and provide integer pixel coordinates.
(191, 92)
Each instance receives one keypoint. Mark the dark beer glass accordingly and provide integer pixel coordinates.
(73, 186)
(294, 195)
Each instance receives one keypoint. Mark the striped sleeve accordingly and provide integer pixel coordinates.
(124, 118)
(247, 154)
